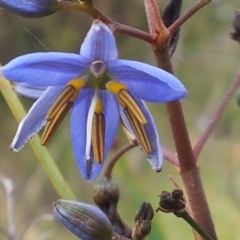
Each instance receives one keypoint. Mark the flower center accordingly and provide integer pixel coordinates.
(98, 75)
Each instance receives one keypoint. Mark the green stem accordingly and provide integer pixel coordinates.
(41, 152)
(185, 216)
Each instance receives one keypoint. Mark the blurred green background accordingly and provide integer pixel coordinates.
(206, 60)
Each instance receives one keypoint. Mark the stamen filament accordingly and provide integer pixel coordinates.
(60, 102)
(98, 132)
(54, 123)
(90, 123)
(126, 97)
(139, 130)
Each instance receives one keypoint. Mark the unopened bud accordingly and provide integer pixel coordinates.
(170, 14)
(86, 221)
(235, 31)
(31, 8)
(106, 192)
(143, 221)
(145, 212)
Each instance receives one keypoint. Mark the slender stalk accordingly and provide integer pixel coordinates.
(41, 152)
(188, 167)
(91, 10)
(189, 170)
(182, 19)
(185, 216)
(112, 162)
(9, 188)
(216, 115)
(172, 158)
(115, 236)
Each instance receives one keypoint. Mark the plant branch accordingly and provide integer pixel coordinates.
(172, 158)
(188, 168)
(112, 162)
(182, 19)
(216, 115)
(185, 216)
(91, 10)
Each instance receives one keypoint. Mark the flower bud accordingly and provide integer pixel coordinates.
(143, 218)
(145, 212)
(170, 15)
(106, 192)
(31, 8)
(235, 31)
(86, 221)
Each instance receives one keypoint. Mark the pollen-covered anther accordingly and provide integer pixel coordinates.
(68, 95)
(139, 131)
(98, 68)
(126, 100)
(98, 133)
(54, 123)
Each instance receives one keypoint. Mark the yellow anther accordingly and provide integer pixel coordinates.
(62, 99)
(54, 123)
(131, 103)
(139, 131)
(69, 94)
(115, 87)
(98, 137)
(99, 106)
(78, 84)
(125, 99)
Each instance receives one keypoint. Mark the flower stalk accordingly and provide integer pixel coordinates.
(189, 170)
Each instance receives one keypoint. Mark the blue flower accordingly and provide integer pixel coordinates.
(31, 8)
(98, 88)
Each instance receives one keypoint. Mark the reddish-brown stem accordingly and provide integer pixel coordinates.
(182, 19)
(115, 26)
(153, 16)
(216, 116)
(170, 157)
(112, 162)
(189, 170)
(188, 167)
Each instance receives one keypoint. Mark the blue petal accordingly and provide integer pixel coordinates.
(30, 9)
(28, 91)
(99, 44)
(45, 69)
(156, 156)
(147, 82)
(35, 119)
(89, 169)
(111, 113)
